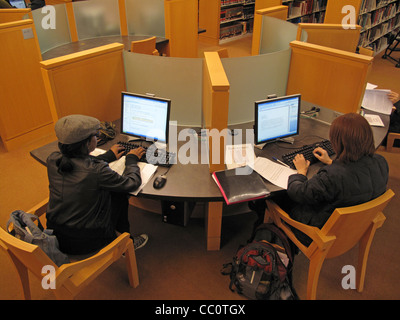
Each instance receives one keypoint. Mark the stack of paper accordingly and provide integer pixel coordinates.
(146, 169)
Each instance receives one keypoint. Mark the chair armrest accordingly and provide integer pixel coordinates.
(321, 240)
(40, 208)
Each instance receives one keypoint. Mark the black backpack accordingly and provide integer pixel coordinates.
(262, 269)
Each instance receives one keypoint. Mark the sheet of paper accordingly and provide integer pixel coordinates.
(146, 169)
(239, 155)
(374, 120)
(273, 172)
(377, 100)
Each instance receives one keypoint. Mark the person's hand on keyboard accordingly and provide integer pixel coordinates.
(322, 155)
(301, 164)
(118, 150)
(138, 152)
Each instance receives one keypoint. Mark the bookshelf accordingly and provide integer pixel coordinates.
(227, 20)
(379, 20)
(306, 11)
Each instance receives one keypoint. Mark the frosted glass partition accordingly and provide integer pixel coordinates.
(145, 17)
(178, 79)
(276, 34)
(50, 38)
(254, 78)
(96, 18)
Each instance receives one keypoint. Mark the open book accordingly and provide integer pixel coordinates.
(146, 169)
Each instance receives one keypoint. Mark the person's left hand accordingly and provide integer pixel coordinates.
(301, 164)
(118, 150)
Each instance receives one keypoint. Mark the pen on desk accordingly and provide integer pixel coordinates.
(277, 160)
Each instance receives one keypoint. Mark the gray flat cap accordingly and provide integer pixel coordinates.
(75, 128)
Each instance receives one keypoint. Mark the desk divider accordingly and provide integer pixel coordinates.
(215, 107)
(10, 15)
(24, 110)
(87, 82)
(279, 12)
(331, 35)
(331, 78)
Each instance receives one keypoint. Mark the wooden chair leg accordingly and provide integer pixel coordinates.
(131, 265)
(314, 270)
(363, 251)
(23, 277)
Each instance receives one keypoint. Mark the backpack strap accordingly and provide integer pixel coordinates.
(280, 234)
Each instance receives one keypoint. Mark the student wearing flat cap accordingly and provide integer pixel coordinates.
(88, 201)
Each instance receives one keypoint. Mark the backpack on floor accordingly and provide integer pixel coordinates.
(261, 270)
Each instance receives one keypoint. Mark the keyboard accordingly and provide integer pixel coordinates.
(307, 151)
(158, 157)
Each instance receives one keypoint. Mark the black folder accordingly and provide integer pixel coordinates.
(240, 184)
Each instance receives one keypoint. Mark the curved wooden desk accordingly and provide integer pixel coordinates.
(193, 182)
(72, 47)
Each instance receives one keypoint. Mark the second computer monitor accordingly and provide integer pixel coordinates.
(276, 118)
(145, 117)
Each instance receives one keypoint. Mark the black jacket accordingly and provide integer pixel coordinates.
(337, 185)
(80, 201)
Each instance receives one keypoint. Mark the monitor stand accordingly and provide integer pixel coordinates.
(286, 140)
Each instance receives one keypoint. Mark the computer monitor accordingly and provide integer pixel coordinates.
(145, 117)
(20, 4)
(276, 118)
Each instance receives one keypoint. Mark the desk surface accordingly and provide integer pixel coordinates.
(86, 44)
(193, 181)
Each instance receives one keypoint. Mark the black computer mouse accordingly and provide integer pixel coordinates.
(159, 182)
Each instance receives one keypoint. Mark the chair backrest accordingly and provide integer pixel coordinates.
(349, 224)
(330, 35)
(146, 46)
(30, 255)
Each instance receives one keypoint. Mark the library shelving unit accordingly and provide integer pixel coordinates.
(226, 20)
(306, 11)
(236, 18)
(380, 20)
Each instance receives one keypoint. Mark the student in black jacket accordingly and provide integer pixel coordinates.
(357, 175)
(88, 201)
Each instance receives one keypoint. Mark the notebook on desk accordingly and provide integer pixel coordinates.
(237, 188)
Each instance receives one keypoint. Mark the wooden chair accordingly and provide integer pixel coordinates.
(390, 140)
(344, 229)
(146, 46)
(70, 278)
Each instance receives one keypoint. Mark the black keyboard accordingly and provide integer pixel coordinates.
(158, 157)
(307, 151)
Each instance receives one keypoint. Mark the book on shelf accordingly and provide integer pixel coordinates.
(240, 184)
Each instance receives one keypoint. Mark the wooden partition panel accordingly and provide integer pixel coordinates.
(24, 109)
(181, 27)
(9, 15)
(215, 107)
(331, 78)
(331, 35)
(334, 14)
(279, 12)
(87, 82)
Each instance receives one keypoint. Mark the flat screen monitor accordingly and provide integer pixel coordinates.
(276, 118)
(145, 117)
(20, 4)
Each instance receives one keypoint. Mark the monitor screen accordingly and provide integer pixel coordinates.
(276, 118)
(20, 4)
(145, 117)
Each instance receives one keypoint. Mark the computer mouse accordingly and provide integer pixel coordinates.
(159, 182)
